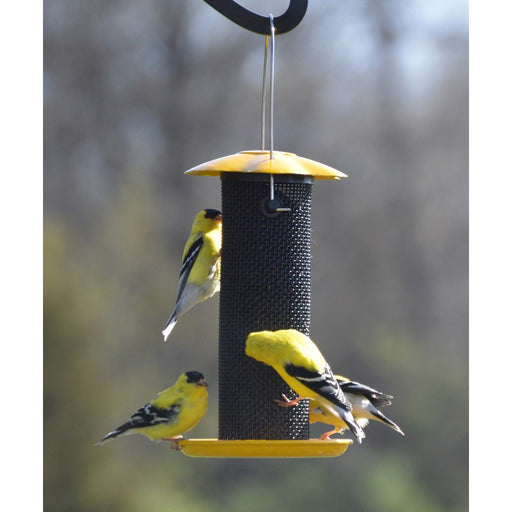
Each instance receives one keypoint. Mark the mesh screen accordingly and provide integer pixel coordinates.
(266, 285)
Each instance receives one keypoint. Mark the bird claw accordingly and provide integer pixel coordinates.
(327, 435)
(286, 402)
(175, 442)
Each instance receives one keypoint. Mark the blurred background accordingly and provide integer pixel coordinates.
(135, 93)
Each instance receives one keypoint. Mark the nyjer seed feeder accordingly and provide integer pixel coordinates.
(265, 279)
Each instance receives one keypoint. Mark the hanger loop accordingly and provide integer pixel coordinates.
(261, 24)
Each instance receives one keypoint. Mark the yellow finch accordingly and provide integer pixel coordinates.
(200, 269)
(365, 401)
(299, 362)
(171, 413)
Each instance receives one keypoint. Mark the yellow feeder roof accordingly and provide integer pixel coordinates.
(260, 162)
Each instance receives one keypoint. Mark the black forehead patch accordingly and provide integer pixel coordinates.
(211, 213)
(194, 376)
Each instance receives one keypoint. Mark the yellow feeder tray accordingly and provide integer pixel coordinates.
(262, 448)
(260, 162)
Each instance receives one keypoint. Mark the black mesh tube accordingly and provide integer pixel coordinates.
(265, 285)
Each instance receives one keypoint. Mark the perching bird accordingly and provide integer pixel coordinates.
(299, 362)
(171, 413)
(200, 269)
(365, 401)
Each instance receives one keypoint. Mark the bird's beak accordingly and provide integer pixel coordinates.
(218, 217)
(202, 382)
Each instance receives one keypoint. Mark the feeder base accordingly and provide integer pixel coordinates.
(258, 448)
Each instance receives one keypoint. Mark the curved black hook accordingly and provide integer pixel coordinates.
(261, 24)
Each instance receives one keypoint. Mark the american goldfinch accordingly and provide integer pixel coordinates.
(171, 413)
(299, 362)
(200, 269)
(365, 401)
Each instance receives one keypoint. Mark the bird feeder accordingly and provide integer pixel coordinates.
(265, 279)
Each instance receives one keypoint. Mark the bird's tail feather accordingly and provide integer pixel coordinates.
(169, 326)
(356, 429)
(384, 419)
(379, 401)
(119, 431)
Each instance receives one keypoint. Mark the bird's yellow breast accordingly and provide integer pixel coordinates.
(317, 413)
(208, 262)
